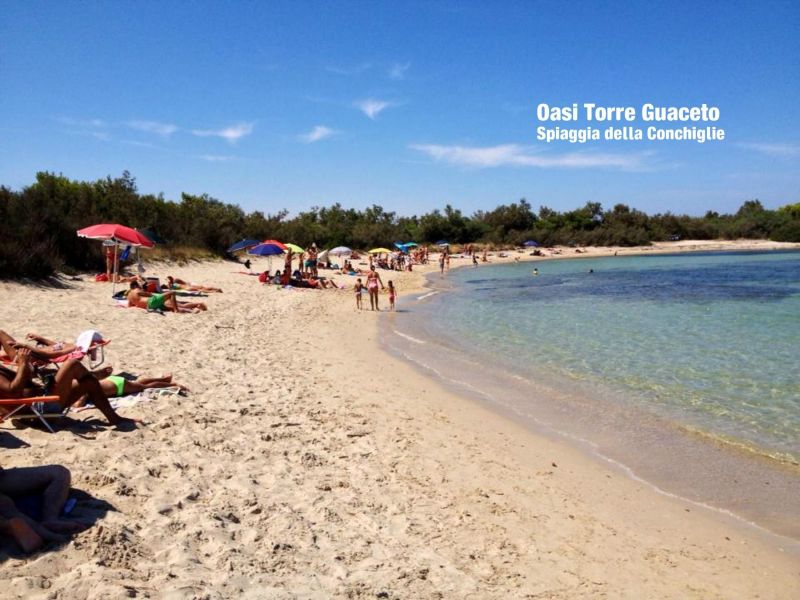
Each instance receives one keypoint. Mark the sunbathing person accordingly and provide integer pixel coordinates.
(174, 283)
(46, 350)
(152, 301)
(52, 484)
(71, 383)
(115, 385)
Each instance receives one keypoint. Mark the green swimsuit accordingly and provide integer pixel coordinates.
(119, 382)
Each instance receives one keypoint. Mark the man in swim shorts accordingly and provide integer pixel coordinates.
(166, 300)
(115, 386)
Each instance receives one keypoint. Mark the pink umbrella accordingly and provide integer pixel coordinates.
(119, 234)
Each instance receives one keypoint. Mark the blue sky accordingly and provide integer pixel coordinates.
(410, 105)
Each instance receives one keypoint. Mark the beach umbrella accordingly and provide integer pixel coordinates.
(323, 256)
(243, 245)
(340, 251)
(411, 244)
(294, 248)
(442, 243)
(380, 251)
(119, 235)
(268, 248)
(530, 244)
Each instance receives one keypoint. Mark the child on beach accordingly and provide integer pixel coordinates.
(359, 289)
(392, 295)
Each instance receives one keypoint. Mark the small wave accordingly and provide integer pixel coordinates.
(429, 294)
(408, 337)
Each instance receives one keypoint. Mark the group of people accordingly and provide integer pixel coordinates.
(26, 372)
(141, 295)
(372, 284)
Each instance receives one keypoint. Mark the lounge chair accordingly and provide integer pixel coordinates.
(34, 404)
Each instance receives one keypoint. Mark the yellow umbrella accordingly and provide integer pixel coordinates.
(295, 248)
(380, 251)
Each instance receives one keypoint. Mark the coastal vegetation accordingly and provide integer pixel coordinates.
(38, 224)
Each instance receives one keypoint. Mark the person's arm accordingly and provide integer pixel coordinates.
(39, 339)
(50, 354)
(20, 377)
(383, 287)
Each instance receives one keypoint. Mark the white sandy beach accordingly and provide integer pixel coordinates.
(308, 463)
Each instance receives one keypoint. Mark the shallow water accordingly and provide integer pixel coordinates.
(682, 368)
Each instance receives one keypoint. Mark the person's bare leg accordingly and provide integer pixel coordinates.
(7, 342)
(23, 534)
(9, 510)
(172, 301)
(52, 482)
(73, 381)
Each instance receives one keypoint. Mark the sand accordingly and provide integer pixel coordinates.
(308, 463)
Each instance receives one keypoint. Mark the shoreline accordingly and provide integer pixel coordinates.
(307, 461)
(751, 463)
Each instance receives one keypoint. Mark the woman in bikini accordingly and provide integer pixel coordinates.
(373, 280)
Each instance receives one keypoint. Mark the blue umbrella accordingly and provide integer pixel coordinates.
(243, 245)
(411, 244)
(400, 246)
(266, 250)
(442, 243)
(530, 244)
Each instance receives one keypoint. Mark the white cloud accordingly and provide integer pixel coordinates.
(162, 129)
(522, 156)
(232, 133)
(320, 132)
(398, 70)
(372, 107)
(772, 149)
(216, 157)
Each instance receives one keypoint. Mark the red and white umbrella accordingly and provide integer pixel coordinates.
(118, 235)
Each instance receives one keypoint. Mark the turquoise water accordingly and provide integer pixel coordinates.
(709, 342)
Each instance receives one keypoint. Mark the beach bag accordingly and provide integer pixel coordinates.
(101, 277)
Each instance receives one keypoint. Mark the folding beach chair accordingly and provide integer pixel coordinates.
(34, 404)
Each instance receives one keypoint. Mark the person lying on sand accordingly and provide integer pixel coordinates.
(115, 386)
(51, 483)
(45, 350)
(139, 298)
(71, 383)
(174, 283)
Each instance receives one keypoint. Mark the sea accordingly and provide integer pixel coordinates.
(681, 370)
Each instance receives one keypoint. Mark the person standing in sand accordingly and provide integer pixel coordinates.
(392, 295)
(373, 280)
(359, 289)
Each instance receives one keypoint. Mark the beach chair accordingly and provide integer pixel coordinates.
(33, 404)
